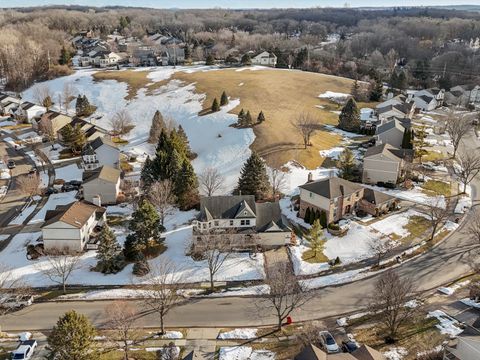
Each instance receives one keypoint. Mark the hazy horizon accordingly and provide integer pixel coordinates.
(237, 4)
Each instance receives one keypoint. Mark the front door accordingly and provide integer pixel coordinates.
(348, 208)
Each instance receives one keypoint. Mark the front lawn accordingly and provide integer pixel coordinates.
(436, 187)
(312, 258)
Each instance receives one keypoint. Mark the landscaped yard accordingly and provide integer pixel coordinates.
(436, 187)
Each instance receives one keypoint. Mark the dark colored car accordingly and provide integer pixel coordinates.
(11, 164)
(51, 190)
(349, 346)
(77, 183)
(67, 187)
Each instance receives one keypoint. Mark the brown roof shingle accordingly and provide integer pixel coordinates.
(75, 214)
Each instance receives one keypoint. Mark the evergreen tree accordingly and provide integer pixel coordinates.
(300, 59)
(407, 140)
(248, 119)
(188, 53)
(346, 164)
(260, 117)
(186, 186)
(253, 178)
(79, 139)
(67, 135)
(145, 224)
(186, 144)
(107, 253)
(73, 338)
(79, 105)
(47, 102)
(377, 90)
(306, 217)
(311, 218)
(349, 118)
(210, 60)
(323, 219)
(156, 128)
(224, 99)
(421, 71)
(282, 58)
(215, 106)
(131, 248)
(83, 107)
(246, 60)
(241, 118)
(393, 82)
(315, 238)
(65, 56)
(355, 92)
(419, 143)
(402, 81)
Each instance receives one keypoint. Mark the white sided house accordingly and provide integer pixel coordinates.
(51, 121)
(265, 58)
(70, 227)
(28, 111)
(384, 164)
(8, 104)
(102, 183)
(242, 222)
(428, 99)
(100, 152)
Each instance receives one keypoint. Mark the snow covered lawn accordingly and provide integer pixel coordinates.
(69, 172)
(238, 334)
(396, 353)
(447, 325)
(244, 353)
(23, 215)
(396, 223)
(334, 279)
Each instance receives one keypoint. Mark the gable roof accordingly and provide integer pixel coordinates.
(384, 149)
(332, 187)
(467, 347)
(75, 214)
(224, 207)
(269, 217)
(365, 352)
(106, 173)
(376, 197)
(311, 352)
(390, 125)
(244, 211)
(96, 143)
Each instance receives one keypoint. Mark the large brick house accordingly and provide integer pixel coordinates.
(337, 198)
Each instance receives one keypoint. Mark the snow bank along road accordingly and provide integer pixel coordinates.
(446, 262)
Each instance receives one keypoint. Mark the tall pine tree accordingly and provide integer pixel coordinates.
(145, 224)
(224, 99)
(346, 164)
(215, 106)
(253, 178)
(107, 253)
(186, 186)
(349, 118)
(156, 128)
(377, 90)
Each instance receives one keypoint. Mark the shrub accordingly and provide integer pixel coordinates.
(333, 226)
(141, 267)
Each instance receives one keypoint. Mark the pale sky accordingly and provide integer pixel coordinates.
(237, 3)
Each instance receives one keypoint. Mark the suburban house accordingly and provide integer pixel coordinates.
(70, 227)
(463, 95)
(428, 99)
(28, 111)
(247, 223)
(100, 152)
(8, 104)
(51, 120)
(337, 198)
(463, 348)
(91, 131)
(391, 133)
(400, 111)
(106, 58)
(173, 56)
(265, 58)
(102, 183)
(385, 164)
(394, 100)
(368, 118)
(364, 352)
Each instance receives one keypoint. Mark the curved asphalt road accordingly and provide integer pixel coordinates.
(443, 264)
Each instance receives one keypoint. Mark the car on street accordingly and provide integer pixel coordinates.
(24, 350)
(349, 346)
(68, 187)
(328, 342)
(11, 164)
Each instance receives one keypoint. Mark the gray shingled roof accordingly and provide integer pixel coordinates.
(385, 149)
(269, 217)
(224, 207)
(332, 187)
(390, 125)
(376, 197)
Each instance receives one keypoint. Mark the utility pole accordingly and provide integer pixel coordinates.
(48, 55)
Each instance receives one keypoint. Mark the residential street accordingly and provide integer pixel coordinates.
(441, 265)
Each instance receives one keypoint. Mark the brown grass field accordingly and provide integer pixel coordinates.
(280, 94)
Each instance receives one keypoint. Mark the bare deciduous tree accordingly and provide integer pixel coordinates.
(437, 213)
(457, 127)
(379, 248)
(391, 295)
(211, 180)
(41, 93)
(163, 290)
(278, 180)
(161, 194)
(306, 125)
(122, 318)
(60, 265)
(121, 123)
(469, 167)
(286, 294)
(10, 287)
(215, 249)
(474, 226)
(68, 95)
(28, 184)
(45, 127)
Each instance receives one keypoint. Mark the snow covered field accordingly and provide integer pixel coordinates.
(53, 201)
(243, 353)
(69, 172)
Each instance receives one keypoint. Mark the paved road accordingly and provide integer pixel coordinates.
(446, 262)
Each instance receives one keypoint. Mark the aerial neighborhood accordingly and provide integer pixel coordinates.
(239, 184)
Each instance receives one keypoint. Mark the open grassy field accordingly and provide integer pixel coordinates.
(280, 94)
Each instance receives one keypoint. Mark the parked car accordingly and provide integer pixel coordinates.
(68, 187)
(25, 350)
(51, 190)
(349, 346)
(16, 302)
(77, 183)
(328, 342)
(11, 164)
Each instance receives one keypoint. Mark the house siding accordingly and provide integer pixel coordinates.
(107, 191)
(380, 169)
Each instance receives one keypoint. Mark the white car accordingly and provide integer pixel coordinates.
(328, 342)
(25, 350)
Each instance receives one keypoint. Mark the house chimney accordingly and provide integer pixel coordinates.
(310, 177)
(96, 200)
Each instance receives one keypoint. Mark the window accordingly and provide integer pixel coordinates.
(216, 223)
(247, 222)
(231, 222)
(242, 222)
(311, 194)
